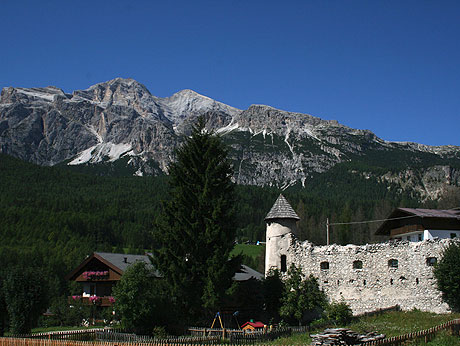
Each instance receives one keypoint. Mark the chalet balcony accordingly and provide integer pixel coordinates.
(92, 300)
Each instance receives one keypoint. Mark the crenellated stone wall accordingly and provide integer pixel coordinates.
(372, 276)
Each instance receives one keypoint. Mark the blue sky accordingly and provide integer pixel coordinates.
(392, 67)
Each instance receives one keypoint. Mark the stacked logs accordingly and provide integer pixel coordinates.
(343, 336)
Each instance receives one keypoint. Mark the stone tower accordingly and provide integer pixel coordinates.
(281, 223)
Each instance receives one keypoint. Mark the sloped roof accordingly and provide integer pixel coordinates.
(116, 261)
(246, 273)
(257, 324)
(449, 213)
(282, 210)
(120, 262)
(444, 218)
(123, 261)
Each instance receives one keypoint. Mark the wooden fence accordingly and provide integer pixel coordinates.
(424, 335)
(115, 337)
(241, 336)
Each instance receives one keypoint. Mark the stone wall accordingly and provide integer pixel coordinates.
(373, 276)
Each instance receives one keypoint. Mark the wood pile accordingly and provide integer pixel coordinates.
(343, 336)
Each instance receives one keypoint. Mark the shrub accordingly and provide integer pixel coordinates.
(339, 313)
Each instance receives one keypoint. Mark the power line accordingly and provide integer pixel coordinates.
(369, 221)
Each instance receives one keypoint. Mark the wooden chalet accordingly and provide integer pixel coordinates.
(99, 272)
(414, 224)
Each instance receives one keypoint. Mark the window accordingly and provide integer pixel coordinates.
(393, 263)
(283, 264)
(453, 235)
(420, 237)
(431, 261)
(357, 265)
(408, 237)
(324, 265)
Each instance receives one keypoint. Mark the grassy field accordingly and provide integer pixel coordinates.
(390, 324)
(248, 250)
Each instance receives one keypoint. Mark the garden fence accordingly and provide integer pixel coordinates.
(38, 340)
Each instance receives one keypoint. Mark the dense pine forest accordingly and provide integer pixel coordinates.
(52, 217)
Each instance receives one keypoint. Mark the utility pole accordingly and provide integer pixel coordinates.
(327, 231)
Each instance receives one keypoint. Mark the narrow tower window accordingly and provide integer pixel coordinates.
(283, 264)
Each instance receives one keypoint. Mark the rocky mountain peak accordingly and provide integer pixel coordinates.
(184, 106)
(123, 91)
(120, 118)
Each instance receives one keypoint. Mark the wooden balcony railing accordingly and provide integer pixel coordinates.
(98, 301)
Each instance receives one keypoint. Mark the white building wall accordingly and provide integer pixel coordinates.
(278, 241)
(441, 234)
(377, 285)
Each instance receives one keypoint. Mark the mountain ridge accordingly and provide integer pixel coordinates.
(120, 118)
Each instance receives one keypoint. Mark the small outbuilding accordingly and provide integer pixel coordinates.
(253, 326)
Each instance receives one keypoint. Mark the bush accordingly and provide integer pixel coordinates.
(303, 300)
(339, 313)
(447, 273)
(141, 300)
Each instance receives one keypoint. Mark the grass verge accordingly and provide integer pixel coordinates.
(391, 324)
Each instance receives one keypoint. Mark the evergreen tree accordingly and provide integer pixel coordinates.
(196, 231)
(273, 288)
(25, 294)
(447, 274)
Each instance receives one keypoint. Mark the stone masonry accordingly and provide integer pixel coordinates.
(367, 277)
(375, 276)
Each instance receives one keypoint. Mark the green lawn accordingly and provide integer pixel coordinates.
(248, 250)
(390, 324)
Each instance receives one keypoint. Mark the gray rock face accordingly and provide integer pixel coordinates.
(122, 119)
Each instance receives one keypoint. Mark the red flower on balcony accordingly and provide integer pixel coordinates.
(95, 299)
(88, 275)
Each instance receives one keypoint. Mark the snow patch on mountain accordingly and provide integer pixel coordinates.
(102, 152)
(229, 128)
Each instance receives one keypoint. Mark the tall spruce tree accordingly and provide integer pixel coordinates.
(196, 232)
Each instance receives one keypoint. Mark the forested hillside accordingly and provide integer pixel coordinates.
(55, 216)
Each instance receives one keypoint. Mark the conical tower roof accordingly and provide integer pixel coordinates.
(281, 210)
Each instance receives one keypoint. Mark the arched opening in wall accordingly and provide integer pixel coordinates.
(324, 265)
(283, 264)
(416, 281)
(364, 282)
(357, 265)
(391, 281)
(431, 261)
(393, 263)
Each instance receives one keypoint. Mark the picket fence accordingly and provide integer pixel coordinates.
(424, 335)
